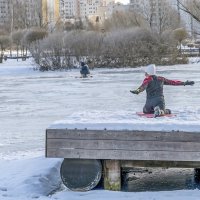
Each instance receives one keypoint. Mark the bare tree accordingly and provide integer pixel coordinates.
(123, 20)
(31, 40)
(180, 34)
(35, 34)
(17, 39)
(36, 14)
(192, 7)
(160, 16)
(23, 14)
(4, 43)
(168, 17)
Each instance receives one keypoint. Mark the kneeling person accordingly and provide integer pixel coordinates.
(153, 84)
(84, 70)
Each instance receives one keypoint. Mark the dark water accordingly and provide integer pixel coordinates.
(158, 179)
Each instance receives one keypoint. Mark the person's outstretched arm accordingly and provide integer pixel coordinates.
(176, 82)
(143, 86)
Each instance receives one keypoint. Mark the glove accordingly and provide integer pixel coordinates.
(135, 91)
(189, 83)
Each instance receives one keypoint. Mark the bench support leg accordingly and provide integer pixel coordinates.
(197, 175)
(112, 175)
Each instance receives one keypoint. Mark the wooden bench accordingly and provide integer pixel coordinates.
(103, 153)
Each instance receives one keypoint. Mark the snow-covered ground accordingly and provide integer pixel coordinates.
(31, 101)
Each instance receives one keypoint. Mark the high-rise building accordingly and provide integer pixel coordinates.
(50, 11)
(116, 7)
(19, 13)
(69, 9)
(4, 11)
(32, 12)
(83, 9)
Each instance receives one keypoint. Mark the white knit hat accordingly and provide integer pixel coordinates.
(150, 69)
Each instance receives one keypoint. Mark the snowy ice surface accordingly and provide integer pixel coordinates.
(183, 101)
(31, 101)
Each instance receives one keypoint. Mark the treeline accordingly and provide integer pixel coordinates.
(20, 40)
(130, 47)
(120, 48)
(126, 39)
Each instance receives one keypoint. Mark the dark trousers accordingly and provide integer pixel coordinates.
(152, 103)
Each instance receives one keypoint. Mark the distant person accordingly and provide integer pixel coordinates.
(84, 70)
(153, 84)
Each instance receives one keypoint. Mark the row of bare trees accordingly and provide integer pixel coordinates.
(19, 17)
(20, 40)
(125, 39)
(165, 18)
(129, 47)
(22, 15)
(117, 48)
(159, 18)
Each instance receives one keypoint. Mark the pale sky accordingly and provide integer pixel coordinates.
(123, 1)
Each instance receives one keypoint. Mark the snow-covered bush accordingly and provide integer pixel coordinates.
(119, 48)
(52, 52)
(134, 47)
(60, 50)
(34, 34)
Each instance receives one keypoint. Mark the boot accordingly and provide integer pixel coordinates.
(158, 112)
(168, 111)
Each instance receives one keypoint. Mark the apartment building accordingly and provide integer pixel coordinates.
(50, 11)
(4, 11)
(20, 13)
(116, 7)
(46, 12)
(69, 9)
(32, 11)
(93, 10)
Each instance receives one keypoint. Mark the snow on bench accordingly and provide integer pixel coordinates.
(143, 124)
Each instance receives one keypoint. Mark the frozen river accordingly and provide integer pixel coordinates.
(33, 100)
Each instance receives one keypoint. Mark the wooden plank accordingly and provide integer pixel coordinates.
(122, 135)
(128, 164)
(124, 155)
(123, 145)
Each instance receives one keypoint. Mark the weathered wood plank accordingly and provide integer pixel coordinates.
(153, 163)
(123, 145)
(124, 155)
(122, 135)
